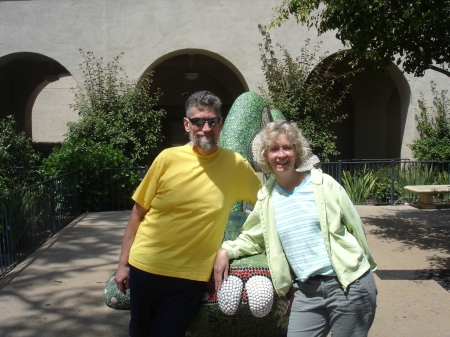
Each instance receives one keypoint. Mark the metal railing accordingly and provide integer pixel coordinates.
(110, 189)
(31, 215)
(381, 182)
(16, 178)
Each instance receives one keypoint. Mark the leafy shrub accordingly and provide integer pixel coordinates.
(443, 178)
(301, 88)
(382, 186)
(45, 148)
(359, 185)
(407, 173)
(434, 128)
(17, 157)
(91, 158)
(414, 174)
(82, 154)
(116, 111)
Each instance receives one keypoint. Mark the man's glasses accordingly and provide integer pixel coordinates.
(201, 121)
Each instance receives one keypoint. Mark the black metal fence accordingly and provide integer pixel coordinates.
(109, 189)
(381, 182)
(31, 215)
(15, 178)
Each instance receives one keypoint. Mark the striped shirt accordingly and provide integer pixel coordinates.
(298, 226)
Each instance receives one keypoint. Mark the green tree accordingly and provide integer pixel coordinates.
(301, 89)
(16, 155)
(433, 125)
(116, 111)
(413, 34)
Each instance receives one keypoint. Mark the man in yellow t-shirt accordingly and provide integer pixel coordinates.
(178, 222)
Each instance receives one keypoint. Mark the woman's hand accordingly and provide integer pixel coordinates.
(221, 268)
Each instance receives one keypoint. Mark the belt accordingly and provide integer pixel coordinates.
(320, 277)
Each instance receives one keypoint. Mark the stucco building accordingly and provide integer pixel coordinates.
(191, 45)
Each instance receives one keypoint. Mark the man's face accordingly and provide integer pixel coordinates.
(205, 138)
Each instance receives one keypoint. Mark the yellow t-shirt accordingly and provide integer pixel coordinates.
(189, 198)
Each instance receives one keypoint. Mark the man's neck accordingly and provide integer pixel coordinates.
(205, 152)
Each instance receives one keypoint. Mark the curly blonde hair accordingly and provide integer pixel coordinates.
(270, 133)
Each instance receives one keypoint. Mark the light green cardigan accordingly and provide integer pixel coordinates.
(341, 226)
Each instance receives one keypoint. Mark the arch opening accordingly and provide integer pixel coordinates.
(375, 105)
(184, 72)
(22, 77)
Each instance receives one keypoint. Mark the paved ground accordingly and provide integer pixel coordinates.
(58, 290)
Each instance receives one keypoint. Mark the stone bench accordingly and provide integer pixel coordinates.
(426, 193)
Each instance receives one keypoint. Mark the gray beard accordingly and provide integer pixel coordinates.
(205, 144)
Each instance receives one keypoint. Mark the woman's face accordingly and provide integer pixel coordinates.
(281, 155)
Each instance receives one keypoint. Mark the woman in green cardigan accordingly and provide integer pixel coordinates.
(314, 240)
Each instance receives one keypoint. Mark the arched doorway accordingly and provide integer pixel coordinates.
(22, 77)
(377, 105)
(184, 72)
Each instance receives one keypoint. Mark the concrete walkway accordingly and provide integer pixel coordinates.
(58, 290)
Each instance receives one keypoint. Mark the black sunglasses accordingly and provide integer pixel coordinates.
(201, 121)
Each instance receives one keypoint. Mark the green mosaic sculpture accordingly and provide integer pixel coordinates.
(247, 304)
(114, 298)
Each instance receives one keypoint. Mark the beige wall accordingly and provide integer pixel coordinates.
(149, 31)
(52, 112)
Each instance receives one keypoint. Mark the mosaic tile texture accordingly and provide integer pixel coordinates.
(114, 298)
(212, 322)
(248, 114)
(276, 115)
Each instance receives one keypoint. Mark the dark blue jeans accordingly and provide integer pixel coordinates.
(162, 306)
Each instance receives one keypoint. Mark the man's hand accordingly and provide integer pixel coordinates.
(221, 267)
(122, 278)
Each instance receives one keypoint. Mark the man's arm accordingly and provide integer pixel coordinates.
(123, 271)
(221, 267)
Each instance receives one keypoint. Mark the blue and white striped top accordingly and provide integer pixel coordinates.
(298, 226)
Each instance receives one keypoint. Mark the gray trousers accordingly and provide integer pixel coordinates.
(320, 305)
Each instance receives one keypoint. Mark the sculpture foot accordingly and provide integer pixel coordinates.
(229, 296)
(260, 295)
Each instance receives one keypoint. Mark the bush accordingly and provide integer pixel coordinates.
(359, 185)
(382, 187)
(116, 111)
(17, 157)
(301, 88)
(45, 148)
(82, 154)
(433, 125)
(92, 158)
